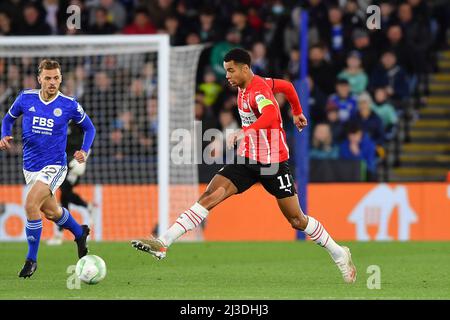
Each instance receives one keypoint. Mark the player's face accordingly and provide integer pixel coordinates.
(235, 73)
(50, 80)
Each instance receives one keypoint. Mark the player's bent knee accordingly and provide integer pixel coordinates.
(31, 208)
(298, 223)
(212, 197)
(51, 215)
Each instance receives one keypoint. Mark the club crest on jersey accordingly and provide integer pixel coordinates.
(259, 98)
(57, 112)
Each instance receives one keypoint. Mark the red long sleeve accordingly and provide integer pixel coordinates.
(285, 87)
(268, 116)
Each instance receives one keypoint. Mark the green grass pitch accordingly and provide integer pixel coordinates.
(233, 270)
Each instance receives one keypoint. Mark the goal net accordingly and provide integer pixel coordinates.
(138, 91)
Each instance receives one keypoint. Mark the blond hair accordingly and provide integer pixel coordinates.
(48, 64)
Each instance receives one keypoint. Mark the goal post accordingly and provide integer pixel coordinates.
(137, 90)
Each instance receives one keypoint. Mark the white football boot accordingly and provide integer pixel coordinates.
(346, 266)
(153, 246)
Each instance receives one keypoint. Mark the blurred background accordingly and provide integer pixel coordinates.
(378, 99)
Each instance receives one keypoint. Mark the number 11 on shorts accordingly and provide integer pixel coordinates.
(282, 185)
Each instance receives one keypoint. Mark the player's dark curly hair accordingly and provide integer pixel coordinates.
(48, 64)
(238, 55)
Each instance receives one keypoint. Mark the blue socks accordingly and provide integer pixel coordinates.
(68, 222)
(33, 230)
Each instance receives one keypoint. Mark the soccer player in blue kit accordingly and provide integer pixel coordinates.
(46, 115)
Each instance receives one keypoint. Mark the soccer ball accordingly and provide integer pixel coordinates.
(91, 269)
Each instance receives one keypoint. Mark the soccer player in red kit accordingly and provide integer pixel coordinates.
(262, 156)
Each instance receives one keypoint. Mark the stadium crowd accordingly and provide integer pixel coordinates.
(362, 82)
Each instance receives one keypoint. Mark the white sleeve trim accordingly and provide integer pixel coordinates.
(9, 111)
(82, 119)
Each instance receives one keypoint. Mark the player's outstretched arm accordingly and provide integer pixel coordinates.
(300, 121)
(286, 88)
(7, 124)
(89, 135)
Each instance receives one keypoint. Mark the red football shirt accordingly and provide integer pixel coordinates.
(263, 145)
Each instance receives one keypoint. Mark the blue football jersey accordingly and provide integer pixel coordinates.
(44, 126)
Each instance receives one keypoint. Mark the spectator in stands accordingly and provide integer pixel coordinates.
(260, 63)
(239, 22)
(272, 36)
(186, 16)
(124, 137)
(345, 100)
(204, 114)
(53, 14)
(322, 72)
(293, 67)
(335, 35)
(101, 24)
(386, 112)
(149, 78)
(14, 10)
(13, 80)
(159, 10)
(417, 35)
(377, 36)
(291, 31)
(71, 87)
(391, 76)
(192, 38)
(318, 13)
(362, 44)
(358, 146)
(227, 124)
(33, 24)
(354, 18)
(210, 88)
(420, 10)
(27, 65)
(337, 127)
(148, 126)
(206, 118)
(29, 81)
(387, 10)
(135, 100)
(440, 14)
(322, 146)
(116, 12)
(255, 21)
(403, 51)
(354, 73)
(5, 25)
(220, 49)
(172, 28)
(207, 28)
(317, 102)
(141, 23)
(3, 71)
(368, 120)
(101, 97)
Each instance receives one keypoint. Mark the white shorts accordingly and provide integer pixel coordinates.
(52, 175)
